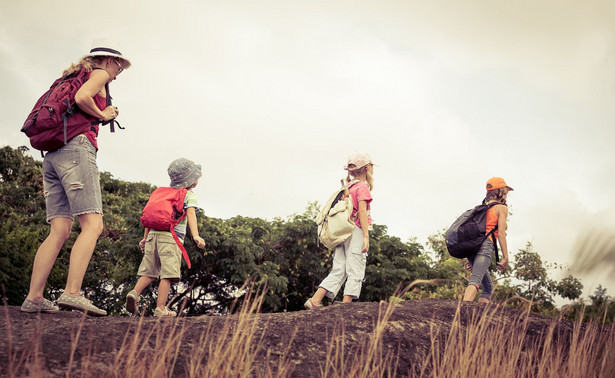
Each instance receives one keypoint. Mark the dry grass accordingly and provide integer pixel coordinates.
(368, 359)
(233, 350)
(491, 345)
(484, 344)
(27, 362)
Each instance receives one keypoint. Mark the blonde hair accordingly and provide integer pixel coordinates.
(497, 195)
(356, 172)
(88, 62)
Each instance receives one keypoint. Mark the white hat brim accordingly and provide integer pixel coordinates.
(108, 52)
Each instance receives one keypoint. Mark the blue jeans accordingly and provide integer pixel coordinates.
(480, 268)
(71, 181)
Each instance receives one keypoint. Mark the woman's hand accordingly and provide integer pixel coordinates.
(110, 112)
(503, 264)
(142, 245)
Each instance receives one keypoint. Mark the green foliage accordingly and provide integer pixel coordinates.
(21, 215)
(569, 288)
(391, 262)
(601, 308)
(532, 282)
(295, 249)
(437, 244)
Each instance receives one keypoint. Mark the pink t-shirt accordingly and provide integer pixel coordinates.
(360, 192)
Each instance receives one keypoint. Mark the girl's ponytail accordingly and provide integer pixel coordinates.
(497, 195)
(370, 179)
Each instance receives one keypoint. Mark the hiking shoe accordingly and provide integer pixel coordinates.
(132, 302)
(79, 303)
(158, 313)
(311, 306)
(44, 306)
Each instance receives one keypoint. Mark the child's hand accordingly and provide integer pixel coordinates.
(502, 265)
(365, 244)
(468, 266)
(142, 245)
(199, 241)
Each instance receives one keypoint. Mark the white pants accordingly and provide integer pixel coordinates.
(348, 266)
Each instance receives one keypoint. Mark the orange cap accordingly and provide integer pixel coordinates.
(497, 183)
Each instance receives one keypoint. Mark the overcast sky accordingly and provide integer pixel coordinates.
(272, 96)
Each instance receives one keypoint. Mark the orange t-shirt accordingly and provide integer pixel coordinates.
(492, 221)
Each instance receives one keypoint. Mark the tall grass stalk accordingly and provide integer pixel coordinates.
(368, 359)
(491, 345)
(233, 350)
(29, 360)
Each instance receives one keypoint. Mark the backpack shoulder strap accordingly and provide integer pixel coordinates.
(110, 122)
(109, 102)
(491, 233)
(351, 183)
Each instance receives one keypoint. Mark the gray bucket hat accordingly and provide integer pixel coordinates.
(183, 173)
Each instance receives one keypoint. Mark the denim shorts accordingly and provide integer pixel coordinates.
(70, 180)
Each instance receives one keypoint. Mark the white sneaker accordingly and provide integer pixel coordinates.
(79, 303)
(44, 306)
(158, 313)
(132, 302)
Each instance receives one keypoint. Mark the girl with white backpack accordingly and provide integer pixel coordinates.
(350, 257)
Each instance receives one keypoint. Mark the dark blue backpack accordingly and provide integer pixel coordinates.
(468, 233)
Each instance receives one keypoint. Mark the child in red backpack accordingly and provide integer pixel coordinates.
(162, 256)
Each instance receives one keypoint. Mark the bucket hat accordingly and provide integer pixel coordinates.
(183, 173)
(107, 47)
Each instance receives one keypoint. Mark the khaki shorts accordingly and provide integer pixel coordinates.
(162, 258)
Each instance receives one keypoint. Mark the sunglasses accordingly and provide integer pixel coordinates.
(119, 71)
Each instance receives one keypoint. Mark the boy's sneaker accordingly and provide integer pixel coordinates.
(132, 302)
(158, 313)
(44, 306)
(79, 303)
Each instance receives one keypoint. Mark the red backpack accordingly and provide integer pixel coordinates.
(55, 119)
(163, 211)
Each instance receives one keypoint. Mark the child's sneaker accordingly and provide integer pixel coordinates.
(158, 313)
(309, 305)
(132, 302)
(44, 306)
(79, 303)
